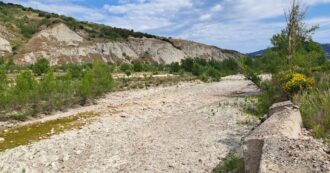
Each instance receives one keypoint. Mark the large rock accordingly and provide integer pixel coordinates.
(60, 33)
(5, 47)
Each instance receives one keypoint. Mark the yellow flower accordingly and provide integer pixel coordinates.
(298, 82)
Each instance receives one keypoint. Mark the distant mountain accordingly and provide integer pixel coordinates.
(257, 53)
(326, 48)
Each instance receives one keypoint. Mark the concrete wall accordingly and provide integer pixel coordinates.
(280, 145)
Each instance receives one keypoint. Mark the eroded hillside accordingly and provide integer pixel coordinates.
(27, 35)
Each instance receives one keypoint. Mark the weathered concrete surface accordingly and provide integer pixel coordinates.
(280, 144)
(186, 128)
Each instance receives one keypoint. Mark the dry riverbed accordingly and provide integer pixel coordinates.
(189, 127)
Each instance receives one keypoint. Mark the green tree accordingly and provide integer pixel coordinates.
(2, 61)
(86, 86)
(41, 66)
(295, 36)
(3, 79)
(25, 87)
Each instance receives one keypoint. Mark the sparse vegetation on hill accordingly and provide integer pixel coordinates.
(28, 21)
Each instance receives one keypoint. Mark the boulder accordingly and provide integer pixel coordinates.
(5, 47)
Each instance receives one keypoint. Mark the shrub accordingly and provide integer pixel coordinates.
(86, 88)
(41, 66)
(28, 31)
(295, 82)
(75, 70)
(25, 87)
(3, 79)
(314, 106)
(137, 66)
(232, 163)
(2, 61)
(126, 68)
(96, 81)
(10, 66)
(174, 67)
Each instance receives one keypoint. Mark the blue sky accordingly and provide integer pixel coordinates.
(243, 25)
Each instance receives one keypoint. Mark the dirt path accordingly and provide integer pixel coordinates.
(185, 128)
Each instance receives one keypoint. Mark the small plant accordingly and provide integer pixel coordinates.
(41, 66)
(126, 68)
(232, 164)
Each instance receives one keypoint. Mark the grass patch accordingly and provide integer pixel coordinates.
(232, 164)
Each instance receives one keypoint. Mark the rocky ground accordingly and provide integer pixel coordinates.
(189, 127)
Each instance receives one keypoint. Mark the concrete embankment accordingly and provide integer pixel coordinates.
(280, 144)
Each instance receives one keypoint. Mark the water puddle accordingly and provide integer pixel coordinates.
(23, 135)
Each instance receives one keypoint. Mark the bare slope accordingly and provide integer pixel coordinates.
(34, 34)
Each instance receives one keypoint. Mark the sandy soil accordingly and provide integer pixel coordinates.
(190, 127)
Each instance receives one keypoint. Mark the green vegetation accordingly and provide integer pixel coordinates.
(300, 72)
(41, 66)
(206, 70)
(39, 88)
(232, 164)
(27, 96)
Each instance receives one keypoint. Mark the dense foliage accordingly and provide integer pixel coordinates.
(30, 96)
(304, 78)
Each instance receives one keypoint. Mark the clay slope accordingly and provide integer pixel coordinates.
(60, 45)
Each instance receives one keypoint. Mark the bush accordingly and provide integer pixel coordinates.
(295, 82)
(137, 66)
(96, 81)
(28, 31)
(314, 106)
(174, 67)
(126, 68)
(2, 61)
(3, 79)
(25, 87)
(41, 66)
(231, 164)
(75, 70)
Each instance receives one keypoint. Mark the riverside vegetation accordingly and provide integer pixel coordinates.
(300, 73)
(27, 91)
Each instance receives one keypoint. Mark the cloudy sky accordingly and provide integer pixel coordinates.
(243, 25)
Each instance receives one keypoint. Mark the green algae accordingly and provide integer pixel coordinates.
(23, 135)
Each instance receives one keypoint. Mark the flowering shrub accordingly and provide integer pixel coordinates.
(296, 82)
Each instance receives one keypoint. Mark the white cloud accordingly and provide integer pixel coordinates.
(205, 17)
(216, 8)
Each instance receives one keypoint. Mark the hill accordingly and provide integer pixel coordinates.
(326, 48)
(27, 34)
